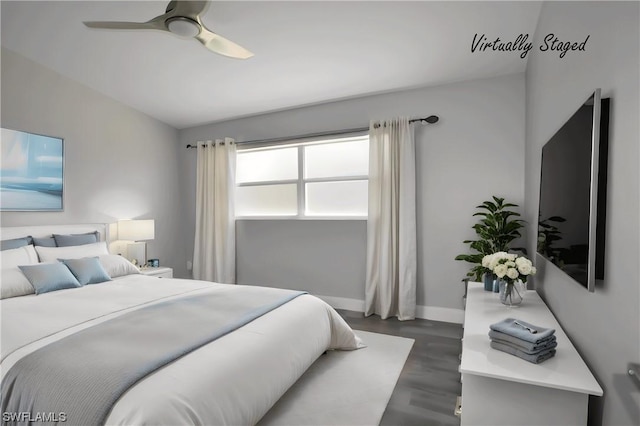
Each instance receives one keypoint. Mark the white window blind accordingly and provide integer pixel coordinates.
(326, 178)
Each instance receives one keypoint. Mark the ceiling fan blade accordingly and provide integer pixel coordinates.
(108, 25)
(221, 45)
(187, 8)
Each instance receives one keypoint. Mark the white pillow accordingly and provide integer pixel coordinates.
(14, 283)
(117, 266)
(52, 254)
(20, 256)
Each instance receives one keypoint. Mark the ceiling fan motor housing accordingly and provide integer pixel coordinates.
(183, 27)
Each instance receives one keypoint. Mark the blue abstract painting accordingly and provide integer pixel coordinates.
(31, 172)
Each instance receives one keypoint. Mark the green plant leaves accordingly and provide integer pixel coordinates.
(496, 229)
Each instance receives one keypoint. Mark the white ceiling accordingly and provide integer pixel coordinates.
(305, 52)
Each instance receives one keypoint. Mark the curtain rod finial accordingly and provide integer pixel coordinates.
(429, 120)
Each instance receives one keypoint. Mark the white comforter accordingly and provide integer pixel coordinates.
(232, 381)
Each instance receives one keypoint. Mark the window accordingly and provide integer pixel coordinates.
(327, 178)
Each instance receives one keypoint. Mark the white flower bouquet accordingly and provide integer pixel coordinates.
(510, 269)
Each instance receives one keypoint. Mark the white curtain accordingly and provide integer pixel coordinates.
(214, 253)
(391, 227)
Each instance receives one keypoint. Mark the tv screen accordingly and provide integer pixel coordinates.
(572, 205)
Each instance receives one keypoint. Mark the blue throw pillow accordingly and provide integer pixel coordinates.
(15, 243)
(88, 270)
(44, 242)
(46, 277)
(76, 239)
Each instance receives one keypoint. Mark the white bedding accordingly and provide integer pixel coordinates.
(233, 380)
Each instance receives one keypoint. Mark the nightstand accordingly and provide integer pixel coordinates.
(160, 272)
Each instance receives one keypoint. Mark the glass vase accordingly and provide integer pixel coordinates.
(511, 294)
(488, 281)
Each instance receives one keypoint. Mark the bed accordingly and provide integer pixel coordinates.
(232, 380)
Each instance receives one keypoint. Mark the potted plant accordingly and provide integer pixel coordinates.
(497, 228)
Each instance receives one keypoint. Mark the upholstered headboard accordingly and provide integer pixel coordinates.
(39, 231)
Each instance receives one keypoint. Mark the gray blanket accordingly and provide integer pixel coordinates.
(519, 348)
(535, 358)
(523, 345)
(523, 330)
(83, 375)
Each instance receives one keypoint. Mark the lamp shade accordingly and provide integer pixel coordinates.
(136, 230)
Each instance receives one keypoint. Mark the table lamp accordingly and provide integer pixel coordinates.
(136, 231)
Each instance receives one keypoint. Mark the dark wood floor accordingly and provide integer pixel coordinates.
(426, 391)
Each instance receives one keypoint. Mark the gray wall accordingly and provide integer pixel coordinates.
(605, 325)
(310, 255)
(474, 151)
(119, 163)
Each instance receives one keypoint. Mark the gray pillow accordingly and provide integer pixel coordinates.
(44, 242)
(76, 239)
(15, 243)
(87, 270)
(46, 277)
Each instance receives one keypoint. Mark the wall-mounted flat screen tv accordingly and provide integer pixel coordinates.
(573, 194)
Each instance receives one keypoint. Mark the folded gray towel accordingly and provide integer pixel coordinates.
(548, 343)
(535, 359)
(522, 330)
(527, 351)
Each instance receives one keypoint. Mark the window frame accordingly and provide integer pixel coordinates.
(301, 181)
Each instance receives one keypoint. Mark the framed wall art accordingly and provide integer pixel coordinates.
(31, 172)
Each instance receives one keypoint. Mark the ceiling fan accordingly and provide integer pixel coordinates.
(183, 19)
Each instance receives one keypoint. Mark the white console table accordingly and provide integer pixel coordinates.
(501, 389)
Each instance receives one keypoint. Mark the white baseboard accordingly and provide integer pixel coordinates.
(343, 303)
(437, 313)
(433, 313)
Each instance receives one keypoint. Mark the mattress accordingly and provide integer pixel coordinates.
(233, 380)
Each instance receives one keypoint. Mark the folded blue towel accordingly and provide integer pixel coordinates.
(527, 351)
(548, 343)
(535, 359)
(522, 330)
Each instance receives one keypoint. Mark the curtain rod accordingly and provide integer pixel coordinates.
(429, 120)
